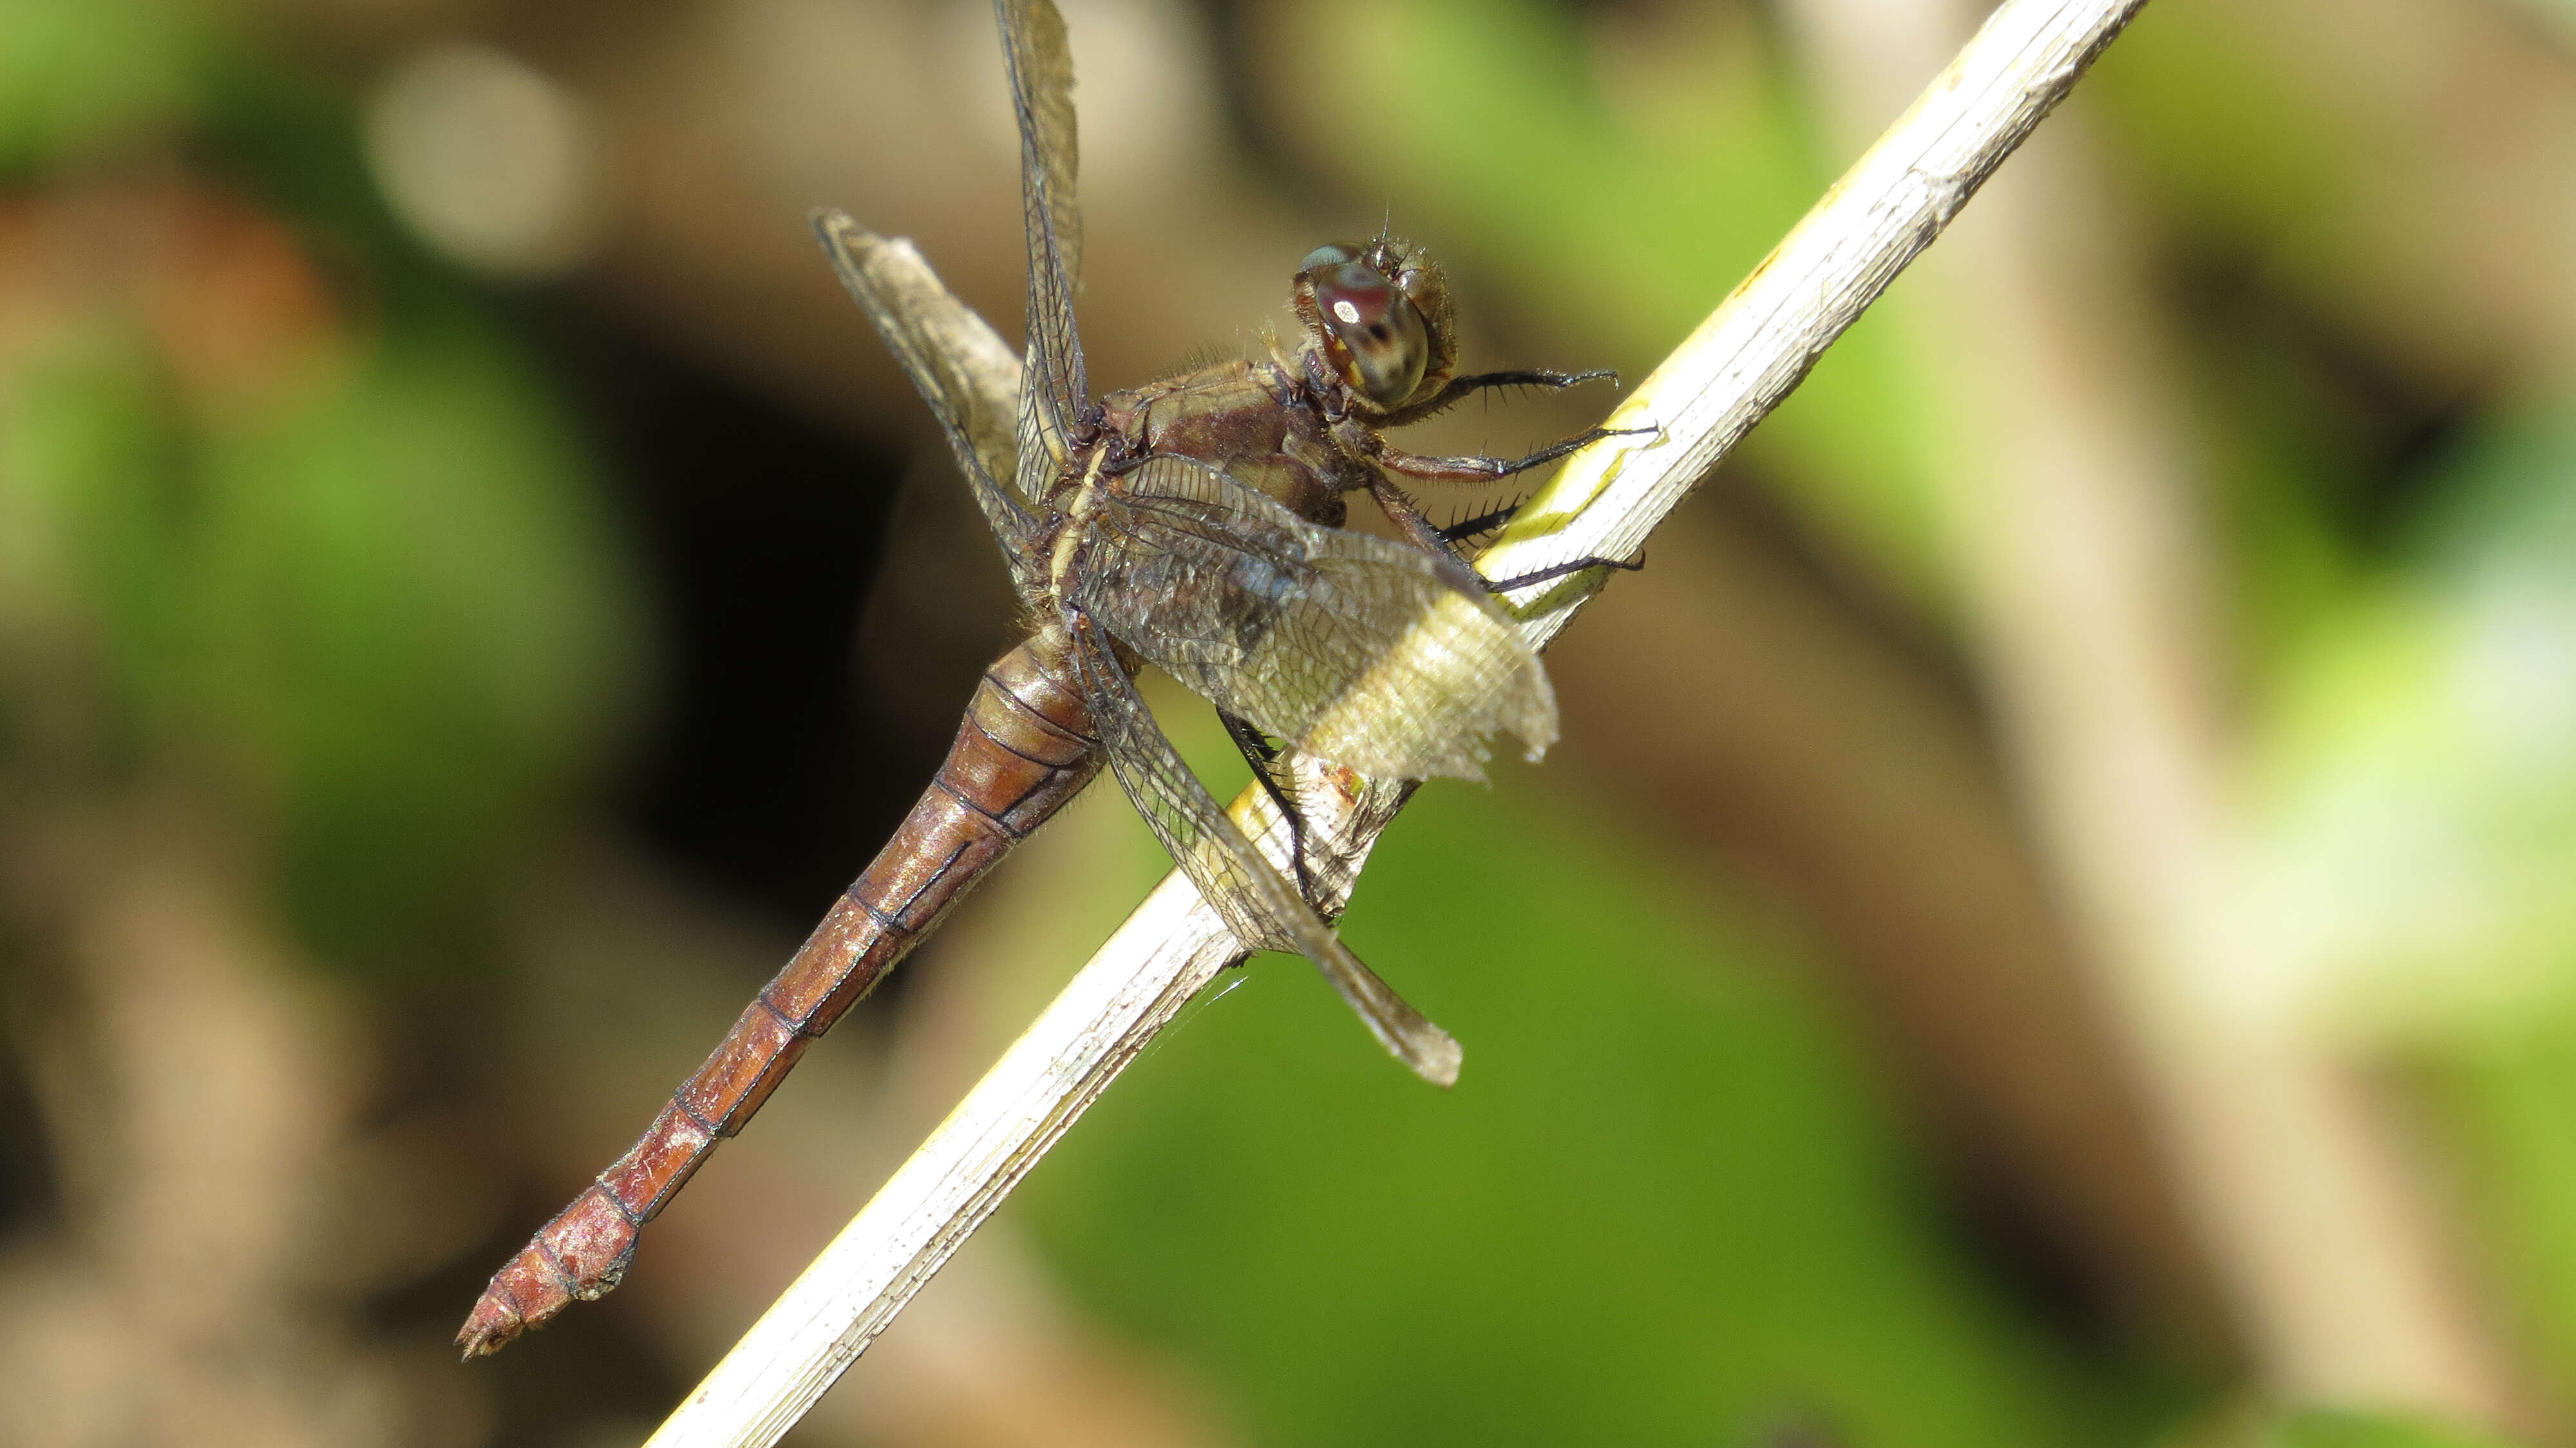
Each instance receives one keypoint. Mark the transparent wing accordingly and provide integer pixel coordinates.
(1353, 648)
(1040, 66)
(1238, 882)
(962, 370)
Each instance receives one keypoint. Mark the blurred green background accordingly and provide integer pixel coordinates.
(472, 592)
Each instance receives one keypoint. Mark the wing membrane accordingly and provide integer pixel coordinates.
(1238, 882)
(1040, 65)
(1353, 648)
(961, 369)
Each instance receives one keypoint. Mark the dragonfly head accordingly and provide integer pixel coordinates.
(1381, 315)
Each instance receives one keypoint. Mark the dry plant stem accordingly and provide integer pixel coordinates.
(1732, 371)
(2087, 579)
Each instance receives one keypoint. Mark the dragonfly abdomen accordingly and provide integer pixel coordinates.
(1024, 748)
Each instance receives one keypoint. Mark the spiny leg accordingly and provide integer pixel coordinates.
(1442, 543)
(1478, 469)
(1263, 756)
(1407, 516)
(1459, 388)
(1560, 570)
(1484, 522)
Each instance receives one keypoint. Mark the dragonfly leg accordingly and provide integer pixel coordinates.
(1479, 469)
(1484, 522)
(1560, 570)
(1423, 533)
(1263, 756)
(1443, 542)
(1459, 388)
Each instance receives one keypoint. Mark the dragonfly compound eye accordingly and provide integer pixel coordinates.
(1372, 331)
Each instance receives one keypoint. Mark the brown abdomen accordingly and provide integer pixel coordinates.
(1025, 747)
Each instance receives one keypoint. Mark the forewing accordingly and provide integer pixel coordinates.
(1353, 648)
(1238, 882)
(963, 371)
(1040, 67)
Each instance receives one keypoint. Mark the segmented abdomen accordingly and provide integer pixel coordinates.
(1025, 747)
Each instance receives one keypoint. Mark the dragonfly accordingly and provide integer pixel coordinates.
(1192, 524)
